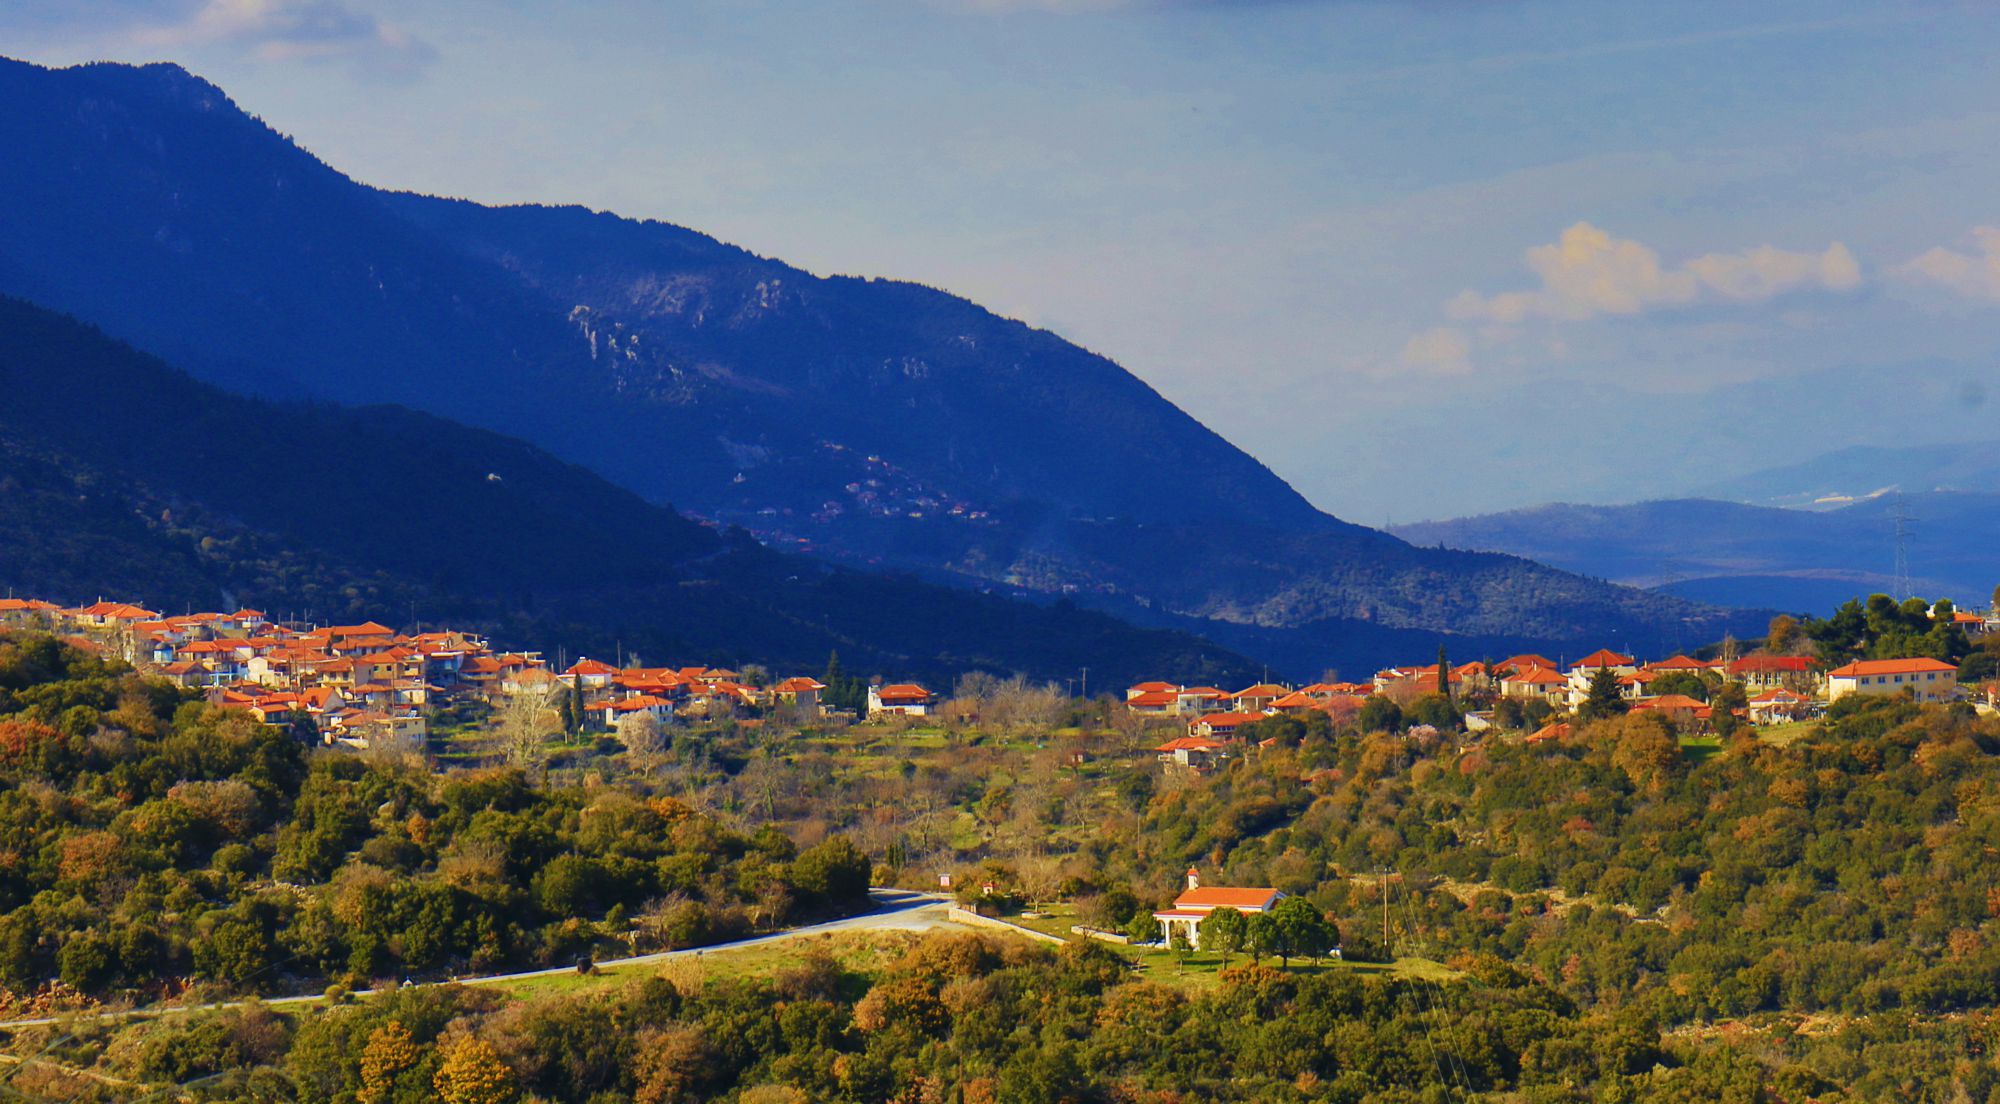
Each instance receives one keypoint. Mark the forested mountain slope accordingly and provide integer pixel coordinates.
(126, 477)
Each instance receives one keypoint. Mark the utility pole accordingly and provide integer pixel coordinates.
(1903, 519)
(1086, 683)
(1385, 916)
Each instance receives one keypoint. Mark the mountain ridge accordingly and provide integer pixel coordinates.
(122, 475)
(1806, 560)
(873, 422)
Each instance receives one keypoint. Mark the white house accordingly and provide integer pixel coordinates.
(1197, 901)
(906, 698)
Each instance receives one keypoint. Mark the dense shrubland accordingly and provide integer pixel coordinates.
(147, 839)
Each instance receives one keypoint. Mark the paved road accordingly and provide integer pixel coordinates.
(895, 910)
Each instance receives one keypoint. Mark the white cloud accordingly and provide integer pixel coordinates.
(268, 30)
(1975, 277)
(1442, 349)
(1587, 273)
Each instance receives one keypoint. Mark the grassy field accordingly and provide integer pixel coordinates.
(1202, 971)
(862, 951)
(1699, 749)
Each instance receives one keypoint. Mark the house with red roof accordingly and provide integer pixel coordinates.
(1584, 670)
(799, 694)
(1530, 683)
(902, 698)
(1197, 901)
(1154, 703)
(1258, 698)
(27, 611)
(1195, 700)
(1522, 662)
(1772, 672)
(1927, 679)
(1198, 752)
(1150, 688)
(1221, 725)
(609, 713)
(1780, 705)
(1683, 663)
(1555, 730)
(1679, 709)
(590, 674)
(111, 615)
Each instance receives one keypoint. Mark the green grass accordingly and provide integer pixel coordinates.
(1783, 734)
(1700, 749)
(862, 951)
(1203, 971)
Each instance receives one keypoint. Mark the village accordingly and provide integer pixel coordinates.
(368, 685)
(1775, 690)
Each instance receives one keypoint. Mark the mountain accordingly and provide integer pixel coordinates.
(1862, 471)
(1729, 552)
(874, 422)
(122, 476)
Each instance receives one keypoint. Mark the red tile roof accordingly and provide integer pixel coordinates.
(1191, 743)
(1603, 657)
(1770, 664)
(1215, 897)
(798, 686)
(1891, 667)
(903, 692)
(1262, 690)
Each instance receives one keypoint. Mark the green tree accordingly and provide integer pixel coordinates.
(1301, 930)
(1223, 931)
(1604, 699)
(834, 872)
(1379, 714)
(1437, 711)
(470, 1072)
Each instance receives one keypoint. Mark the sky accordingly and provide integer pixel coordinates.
(1421, 257)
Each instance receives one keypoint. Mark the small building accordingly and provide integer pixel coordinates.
(1197, 901)
(609, 713)
(1779, 706)
(1772, 672)
(1556, 730)
(1221, 725)
(1143, 688)
(1531, 683)
(1153, 703)
(1198, 752)
(801, 694)
(590, 674)
(1928, 679)
(901, 698)
(1680, 710)
(1258, 698)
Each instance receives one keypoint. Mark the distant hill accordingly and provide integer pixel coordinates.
(872, 422)
(1846, 475)
(120, 476)
(1728, 552)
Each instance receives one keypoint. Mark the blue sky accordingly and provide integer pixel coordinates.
(1423, 258)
